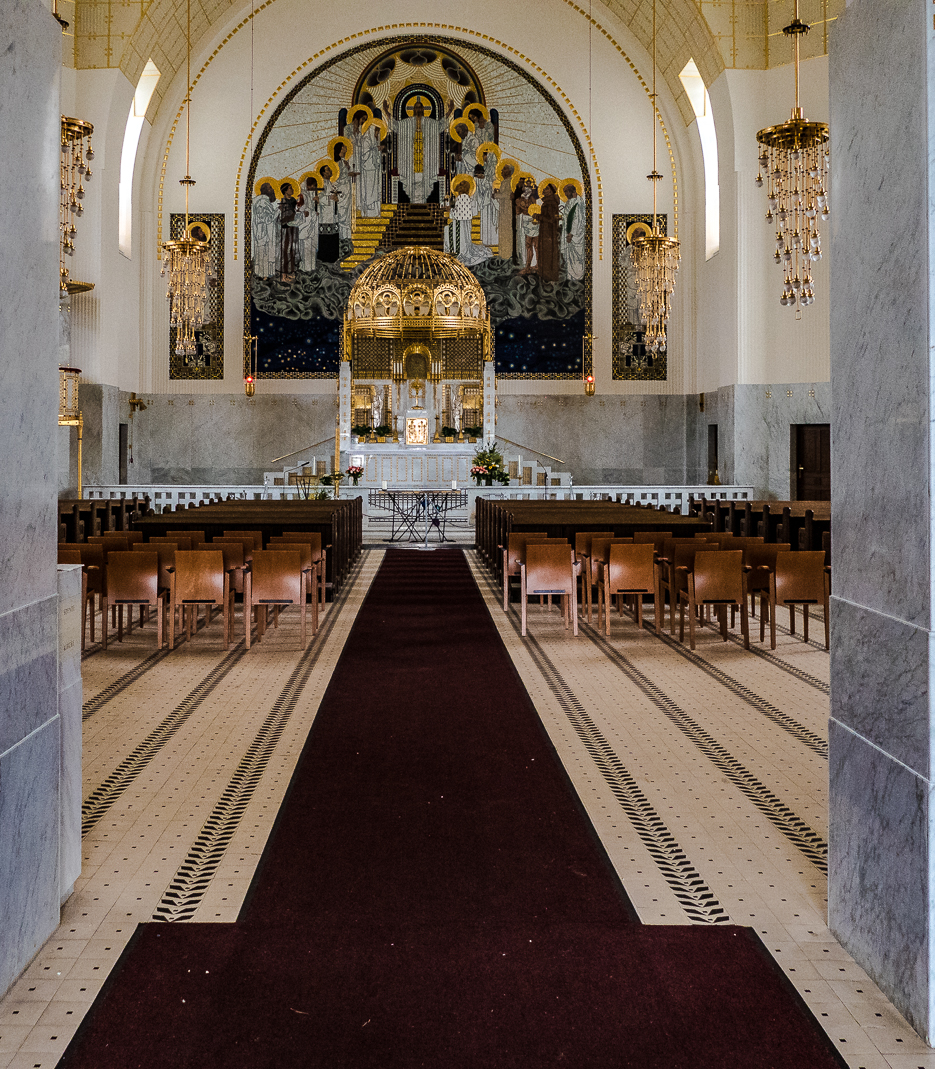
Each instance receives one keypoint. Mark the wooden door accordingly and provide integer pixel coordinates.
(813, 461)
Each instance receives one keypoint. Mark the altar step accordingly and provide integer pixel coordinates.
(367, 235)
(415, 224)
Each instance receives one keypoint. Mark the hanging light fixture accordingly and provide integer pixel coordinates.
(655, 256)
(796, 159)
(75, 171)
(187, 260)
(69, 414)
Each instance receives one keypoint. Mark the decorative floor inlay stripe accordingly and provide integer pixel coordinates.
(777, 662)
(692, 893)
(92, 705)
(811, 844)
(193, 878)
(102, 798)
(798, 731)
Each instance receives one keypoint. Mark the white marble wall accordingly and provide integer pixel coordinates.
(30, 742)
(881, 893)
(69, 717)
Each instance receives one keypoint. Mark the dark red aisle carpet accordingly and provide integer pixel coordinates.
(433, 895)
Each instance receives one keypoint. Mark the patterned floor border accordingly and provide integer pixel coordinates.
(188, 887)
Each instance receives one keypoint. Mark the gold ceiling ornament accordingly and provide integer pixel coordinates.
(796, 159)
(187, 259)
(75, 171)
(655, 257)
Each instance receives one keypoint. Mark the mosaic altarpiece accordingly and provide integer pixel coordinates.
(631, 360)
(419, 141)
(208, 361)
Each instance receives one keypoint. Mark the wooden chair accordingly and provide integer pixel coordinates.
(195, 536)
(630, 570)
(512, 558)
(549, 568)
(588, 573)
(759, 559)
(276, 579)
(133, 579)
(599, 549)
(319, 558)
(133, 537)
(166, 553)
(310, 568)
(257, 537)
(234, 562)
(798, 579)
(109, 542)
(182, 541)
(717, 579)
(200, 579)
(679, 553)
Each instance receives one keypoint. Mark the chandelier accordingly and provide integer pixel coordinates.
(796, 159)
(75, 171)
(187, 260)
(655, 256)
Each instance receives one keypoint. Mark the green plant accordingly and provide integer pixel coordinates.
(474, 432)
(360, 429)
(450, 432)
(321, 494)
(384, 429)
(490, 460)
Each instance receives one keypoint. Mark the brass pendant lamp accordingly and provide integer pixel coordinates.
(187, 260)
(796, 159)
(655, 256)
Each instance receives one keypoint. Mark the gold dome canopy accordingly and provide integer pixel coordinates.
(417, 291)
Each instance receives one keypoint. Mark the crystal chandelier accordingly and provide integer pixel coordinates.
(655, 257)
(187, 260)
(75, 171)
(796, 159)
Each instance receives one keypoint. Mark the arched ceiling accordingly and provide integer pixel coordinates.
(715, 33)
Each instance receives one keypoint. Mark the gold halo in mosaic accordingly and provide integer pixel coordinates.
(260, 182)
(468, 108)
(348, 147)
(553, 182)
(505, 161)
(452, 127)
(307, 175)
(579, 188)
(638, 230)
(485, 147)
(327, 162)
(522, 176)
(196, 224)
(379, 124)
(457, 184)
(352, 113)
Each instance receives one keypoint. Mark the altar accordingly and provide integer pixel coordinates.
(402, 465)
(417, 371)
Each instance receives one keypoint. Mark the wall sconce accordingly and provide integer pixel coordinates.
(249, 364)
(589, 386)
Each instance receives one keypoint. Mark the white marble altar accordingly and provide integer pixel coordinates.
(414, 465)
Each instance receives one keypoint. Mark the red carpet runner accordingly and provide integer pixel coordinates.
(432, 895)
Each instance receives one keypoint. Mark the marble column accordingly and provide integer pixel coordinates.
(882, 878)
(30, 731)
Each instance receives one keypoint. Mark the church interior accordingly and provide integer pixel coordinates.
(425, 285)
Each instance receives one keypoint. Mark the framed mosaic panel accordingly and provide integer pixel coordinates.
(208, 361)
(630, 357)
(419, 141)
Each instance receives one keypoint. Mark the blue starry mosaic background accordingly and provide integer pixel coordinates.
(540, 347)
(302, 348)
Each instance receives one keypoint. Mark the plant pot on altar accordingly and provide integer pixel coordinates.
(381, 437)
(488, 480)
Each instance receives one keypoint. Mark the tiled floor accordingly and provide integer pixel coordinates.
(704, 775)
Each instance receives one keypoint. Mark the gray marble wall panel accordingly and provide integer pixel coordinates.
(69, 715)
(28, 669)
(29, 834)
(30, 339)
(880, 816)
(102, 416)
(879, 888)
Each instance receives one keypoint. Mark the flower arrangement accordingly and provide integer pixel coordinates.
(488, 466)
(354, 472)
